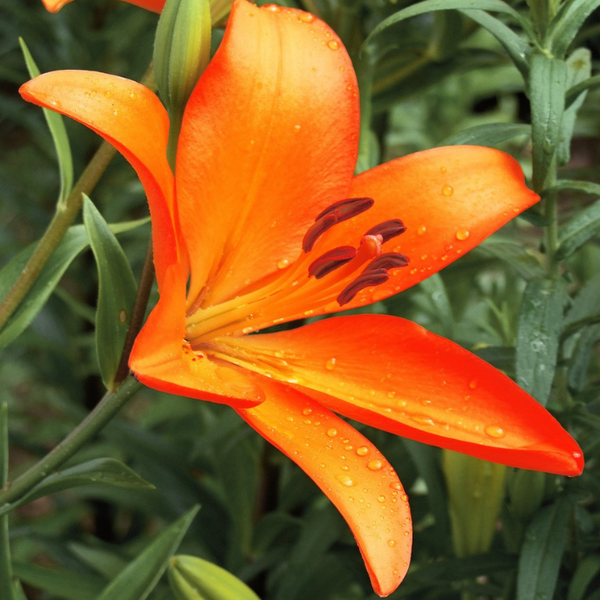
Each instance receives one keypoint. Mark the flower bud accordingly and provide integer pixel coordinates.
(526, 492)
(192, 578)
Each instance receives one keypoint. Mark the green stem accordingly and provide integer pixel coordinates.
(6, 574)
(106, 409)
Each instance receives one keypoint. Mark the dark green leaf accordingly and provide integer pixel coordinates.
(581, 356)
(516, 255)
(545, 542)
(587, 187)
(540, 323)
(501, 357)
(578, 230)
(116, 292)
(6, 575)
(58, 132)
(487, 135)
(547, 88)
(586, 571)
(68, 585)
(140, 576)
(101, 560)
(567, 24)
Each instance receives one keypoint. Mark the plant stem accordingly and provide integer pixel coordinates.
(106, 409)
(6, 575)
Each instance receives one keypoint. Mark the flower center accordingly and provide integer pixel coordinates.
(308, 285)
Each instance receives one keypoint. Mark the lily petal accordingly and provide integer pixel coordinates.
(163, 360)
(269, 138)
(153, 5)
(395, 375)
(351, 472)
(130, 117)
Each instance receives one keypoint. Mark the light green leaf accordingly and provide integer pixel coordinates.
(192, 578)
(116, 292)
(436, 291)
(141, 575)
(587, 187)
(487, 135)
(574, 92)
(538, 334)
(542, 551)
(576, 232)
(547, 88)
(58, 131)
(74, 241)
(567, 24)
(60, 583)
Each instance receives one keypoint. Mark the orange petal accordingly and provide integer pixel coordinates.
(269, 138)
(55, 5)
(163, 360)
(130, 117)
(351, 472)
(153, 5)
(393, 374)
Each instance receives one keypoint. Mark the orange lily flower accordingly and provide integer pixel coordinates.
(153, 5)
(265, 223)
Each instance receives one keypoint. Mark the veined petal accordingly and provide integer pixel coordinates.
(153, 5)
(130, 117)
(394, 375)
(351, 472)
(269, 138)
(163, 360)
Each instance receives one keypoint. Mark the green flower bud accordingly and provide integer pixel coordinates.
(192, 578)
(526, 492)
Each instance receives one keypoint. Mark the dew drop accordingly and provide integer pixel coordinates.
(307, 411)
(422, 420)
(462, 234)
(447, 190)
(348, 447)
(297, 128)
(333, 45)
(391, 394)
(330, 364)
(473, 384)
(391, 543)
(307, 17)
(375, 465)
(443, 170)
(396, 485)
(332, 432)
(362, 451)
(247, 330)
(495, 432)
(283, 263)
(421, 229)
(404, 498)
(272, 7)
(345, 480)
(380, 498)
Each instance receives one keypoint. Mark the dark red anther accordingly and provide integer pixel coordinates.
(388, 229)
(330, 261)
(387, 261)
(364, 280)
(347, 208)
(339, 211)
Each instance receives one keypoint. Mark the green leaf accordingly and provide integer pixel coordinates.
(581, 357)
(74, 241)
(102, 560)
(6, 574)
(141, 575)
(574, 92)
(579, 69)
(436, 291)
(538, 334)
(586, 571)
(587, 187)
(58, 131)
(487, 135)
(567, 24)
(578, 230)
(192, 578)
(116, 292)
(547, 88)
(542, 551)
(68, 585)
(516, 255)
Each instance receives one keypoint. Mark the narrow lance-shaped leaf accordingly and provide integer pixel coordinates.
(545, 541)
(58, 131)
(547, 88)
(540, 324)
(567, 24)
(140, 576)
(6, 578)
(116, 293)
(515, 255)
(487, 135)
(578, 230)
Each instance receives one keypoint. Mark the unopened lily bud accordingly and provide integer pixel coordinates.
(181, 51)
(525, 492)
(192, 578)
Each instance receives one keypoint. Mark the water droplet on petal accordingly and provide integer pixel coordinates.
(345, 480)
(380, 498)
(283, 263)
(375, 465)
(333, 45)
(362, 451)
(421, 229)
(330, 364)
(447, 190)
(423, 420)
(297, 128)
(272, 7)
(462, 234)
(239, 384)
(495, 432)
(391, 543)
(332, 432)
(396, 485)
(473, 384)
(307, 411)
(307, 17)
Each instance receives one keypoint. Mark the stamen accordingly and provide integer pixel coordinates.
(364, 280)
(339, 211)
(389, 260)
(330, 261)
(388, 229)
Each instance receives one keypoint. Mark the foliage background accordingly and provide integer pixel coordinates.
(431, 79)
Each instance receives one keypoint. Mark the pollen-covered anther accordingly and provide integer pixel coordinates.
(389, 260)
(368, 278)
(388, 229)
(330, 261)
(339, 211)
